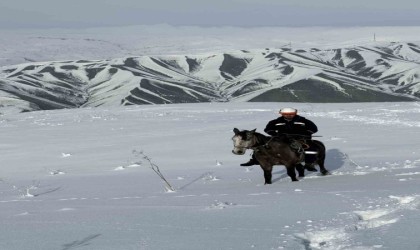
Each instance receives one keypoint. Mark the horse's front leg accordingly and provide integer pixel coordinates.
(267, 173)
(291, 172)
(300, 169)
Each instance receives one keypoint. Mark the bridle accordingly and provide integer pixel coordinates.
(254, 143)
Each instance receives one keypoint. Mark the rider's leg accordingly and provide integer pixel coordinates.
(252, 161)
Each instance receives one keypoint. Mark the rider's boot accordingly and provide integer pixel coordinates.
(251, 162)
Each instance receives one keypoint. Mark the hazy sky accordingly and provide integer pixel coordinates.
(94, 13)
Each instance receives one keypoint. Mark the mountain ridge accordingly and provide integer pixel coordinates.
(387, 72)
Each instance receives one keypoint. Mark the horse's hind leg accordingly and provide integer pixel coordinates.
(321, 157)
(322, 168)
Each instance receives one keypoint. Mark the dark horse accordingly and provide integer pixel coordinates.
(270, 151)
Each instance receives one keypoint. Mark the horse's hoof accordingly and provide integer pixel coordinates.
(325, 172)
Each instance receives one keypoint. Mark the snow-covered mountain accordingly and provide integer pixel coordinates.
(381, 72)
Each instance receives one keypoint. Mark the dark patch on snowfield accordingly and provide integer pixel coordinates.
(287, 70)
(274, 55)
(69, 67)
(414, 47)
(83, 61)
(232, 66)
(92, 72)
(338, 58)
(130, 62)
(193, 64)
(358, 61)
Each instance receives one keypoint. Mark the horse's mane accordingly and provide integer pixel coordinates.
(264, 139)
(261, 139)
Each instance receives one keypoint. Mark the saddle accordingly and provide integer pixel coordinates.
(300, 145)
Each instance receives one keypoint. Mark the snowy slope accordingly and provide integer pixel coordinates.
(355, 74)
(75, 179)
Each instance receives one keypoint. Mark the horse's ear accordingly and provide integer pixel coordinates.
(236, 131)
(253, 131)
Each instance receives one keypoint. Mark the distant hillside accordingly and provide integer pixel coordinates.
(388, 72)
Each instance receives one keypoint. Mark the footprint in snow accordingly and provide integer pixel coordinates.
(65, 155)
(210, 177)
(119, 168)
(373, 218)
(407, 202)
(408, 173)
(22, 214)
(416, 163)
(403, 199)
(134, 165)
(262, 193)
(56, 172)
(332, 238)
(322, 239)
(220, 205)
(66, 209)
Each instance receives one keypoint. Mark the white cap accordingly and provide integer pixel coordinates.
(288, 111)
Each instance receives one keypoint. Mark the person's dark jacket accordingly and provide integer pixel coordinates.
(299, 125)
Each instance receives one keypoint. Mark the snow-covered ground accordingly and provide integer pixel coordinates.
(78, 179)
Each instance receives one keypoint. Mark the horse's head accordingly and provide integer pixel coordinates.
(242, 140)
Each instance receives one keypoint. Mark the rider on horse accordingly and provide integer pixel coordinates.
(297, 129)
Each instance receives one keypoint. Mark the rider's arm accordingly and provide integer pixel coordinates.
(311, 127)
(271, 129)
